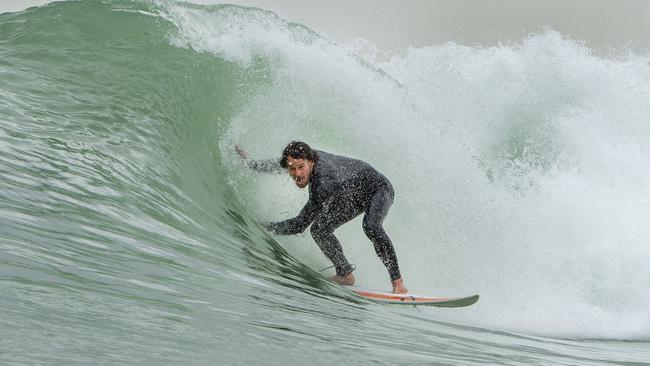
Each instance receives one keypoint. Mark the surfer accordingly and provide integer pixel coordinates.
(340, 189)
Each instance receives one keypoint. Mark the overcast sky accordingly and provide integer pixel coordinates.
(395, 25)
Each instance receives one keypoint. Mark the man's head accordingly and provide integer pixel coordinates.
(299, 159)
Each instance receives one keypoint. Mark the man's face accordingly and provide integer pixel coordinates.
(300, 170)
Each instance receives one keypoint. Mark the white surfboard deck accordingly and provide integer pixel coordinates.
(413, 299)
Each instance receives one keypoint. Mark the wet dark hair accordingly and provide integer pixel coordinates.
(298, 150)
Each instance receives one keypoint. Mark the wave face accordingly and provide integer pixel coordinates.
(129, 228)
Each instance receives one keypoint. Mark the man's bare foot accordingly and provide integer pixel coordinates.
(347, 280)
(398, 286)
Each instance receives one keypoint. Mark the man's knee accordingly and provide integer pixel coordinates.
(320, 230)
(372, 229)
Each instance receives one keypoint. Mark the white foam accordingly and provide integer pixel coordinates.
(521, 172)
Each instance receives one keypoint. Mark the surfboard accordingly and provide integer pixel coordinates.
(413, 299)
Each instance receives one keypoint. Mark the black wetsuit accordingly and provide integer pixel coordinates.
(340, 189)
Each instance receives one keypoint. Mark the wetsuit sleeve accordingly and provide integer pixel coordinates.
(321, 196)
(297, 224)
(265, 166)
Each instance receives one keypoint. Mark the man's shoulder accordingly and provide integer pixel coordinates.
(323, 154)
(333, 158)
(339, 161)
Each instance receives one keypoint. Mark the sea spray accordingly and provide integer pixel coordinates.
(518, 168)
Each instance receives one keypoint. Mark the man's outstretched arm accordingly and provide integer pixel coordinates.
(263, 166)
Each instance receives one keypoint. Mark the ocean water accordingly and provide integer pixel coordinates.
(129, 229)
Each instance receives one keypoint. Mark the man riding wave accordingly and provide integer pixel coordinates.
(340, 188)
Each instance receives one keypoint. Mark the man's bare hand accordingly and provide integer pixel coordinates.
(398, 286)
(241, 152)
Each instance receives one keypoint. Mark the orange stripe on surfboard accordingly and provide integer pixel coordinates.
(398, 297)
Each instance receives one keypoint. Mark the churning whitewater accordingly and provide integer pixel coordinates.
(129, 228)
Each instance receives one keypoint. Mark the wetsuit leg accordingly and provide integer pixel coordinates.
(322, 230)
(373, 227)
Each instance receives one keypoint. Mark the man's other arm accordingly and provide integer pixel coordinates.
(297, 224)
